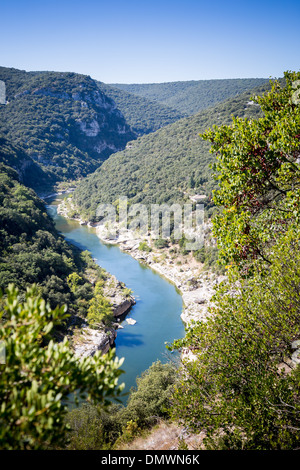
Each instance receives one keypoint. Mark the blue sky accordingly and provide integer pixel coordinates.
(152, 41)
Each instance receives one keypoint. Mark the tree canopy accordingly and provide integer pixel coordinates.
(258, 174)
(243, 385)
(62, 121)
(39, 377)
(191, 96)
(160, 167)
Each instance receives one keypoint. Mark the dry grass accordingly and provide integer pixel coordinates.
(166, 436)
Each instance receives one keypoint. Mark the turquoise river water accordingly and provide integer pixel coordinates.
(158, 303)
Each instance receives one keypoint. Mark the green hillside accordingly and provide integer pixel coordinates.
(163, 167)
(62, 121)
(190, 97)
(32, 251)
(143, 115)
(29, 172)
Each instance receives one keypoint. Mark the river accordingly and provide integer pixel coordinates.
(158, 303)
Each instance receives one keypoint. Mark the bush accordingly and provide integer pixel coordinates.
(244, 381)
(39, 376)
(93, 428)
(161, 243)
(143, 246)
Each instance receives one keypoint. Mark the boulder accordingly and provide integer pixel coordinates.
(89, 341)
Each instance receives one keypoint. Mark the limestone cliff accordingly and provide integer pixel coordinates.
(62, 121)
(86, 341)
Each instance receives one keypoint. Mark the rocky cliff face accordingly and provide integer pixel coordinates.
(100, 128)
(89, 340)
(119, 297)
(62, 121)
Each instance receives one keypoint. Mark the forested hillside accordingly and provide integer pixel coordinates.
(242, 386)
(143, 115)
(165, 166)
(32, 251)
(62, 121)
(190, 97)
(29, 172)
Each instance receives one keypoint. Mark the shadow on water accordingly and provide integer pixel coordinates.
(129, 339)
(78, 245)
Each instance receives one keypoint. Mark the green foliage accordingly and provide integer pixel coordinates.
(190, 97)
(243, 381)
(143, 115)
(94, 428)
(143, 246)
(243, 386)
(40, 376)
(129, 432)
(87, 430)
(127, 292)
(259, 176)
(100, 309)
(73, 280)
(151, 397)
(161, 243)
(29, 172)
(157, 168)
(54, 117)
(209, 256)
(31, 250)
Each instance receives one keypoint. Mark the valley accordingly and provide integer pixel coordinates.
(156, 309)
(219, 320)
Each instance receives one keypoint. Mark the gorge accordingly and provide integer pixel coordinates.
(158, 303)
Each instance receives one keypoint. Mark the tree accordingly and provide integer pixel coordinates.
(243, 385)
(259, 175)
(245, 380)
(192, 182)
(73, 280)
(161, 243)
(39, 376)
(100, 309)
(150, 399)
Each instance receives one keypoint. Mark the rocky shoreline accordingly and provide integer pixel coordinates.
(195, 285)
(86, 340)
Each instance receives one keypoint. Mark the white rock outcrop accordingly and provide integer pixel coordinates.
(89, 341)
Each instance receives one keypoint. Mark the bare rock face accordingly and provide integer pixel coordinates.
(90, 129)
(119, 297)
(123, 308)
(63, 122)
(101, 127)
(89, 341)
